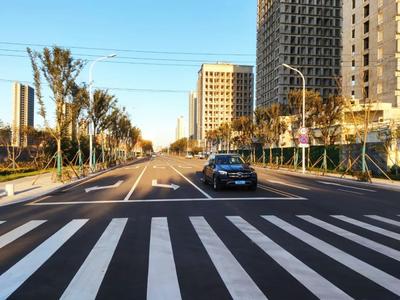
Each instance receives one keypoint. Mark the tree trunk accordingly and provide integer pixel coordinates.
(270, 154)
(324, 162)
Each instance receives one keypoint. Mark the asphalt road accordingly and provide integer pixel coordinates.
(154, 230)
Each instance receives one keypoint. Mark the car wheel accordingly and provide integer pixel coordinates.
(216, 184)
(205, 181)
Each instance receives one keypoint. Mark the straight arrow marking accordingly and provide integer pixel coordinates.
(169, 186)
(104, 187)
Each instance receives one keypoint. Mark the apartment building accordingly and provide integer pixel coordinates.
(180, 128)
(193, 116)
(23, 114)
(303, 34)
(225, 92)
(371, 50)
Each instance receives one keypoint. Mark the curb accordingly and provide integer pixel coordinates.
(62, 186)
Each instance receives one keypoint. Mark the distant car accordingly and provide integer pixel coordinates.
(189, 156)
(200, 155)
(153, 155)
(223, 170)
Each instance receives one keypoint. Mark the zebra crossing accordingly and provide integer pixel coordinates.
(325, 238)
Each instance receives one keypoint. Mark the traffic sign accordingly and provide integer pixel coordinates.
(303, 130)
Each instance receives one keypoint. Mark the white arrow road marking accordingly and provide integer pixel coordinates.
(184, 167)
(289, 184)
(346, 186)
(158, 167)
(104, 187)
(168, 186)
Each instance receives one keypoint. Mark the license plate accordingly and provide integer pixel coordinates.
(240, 182)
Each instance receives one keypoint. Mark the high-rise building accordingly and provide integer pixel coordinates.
(70, 121)
(180, 129)
(225, 92)
(193, 116)
(23, 113)
(306, 36)
(371, 51)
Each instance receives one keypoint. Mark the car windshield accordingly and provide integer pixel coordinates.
(229, 160)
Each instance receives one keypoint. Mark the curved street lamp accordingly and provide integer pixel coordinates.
(304, 112)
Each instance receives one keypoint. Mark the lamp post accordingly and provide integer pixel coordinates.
(303, 152)
(92, 154)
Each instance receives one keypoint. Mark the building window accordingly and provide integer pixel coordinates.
(353, 19)
(366, 27)
(366, 60)
(366, 43)
(366, 11)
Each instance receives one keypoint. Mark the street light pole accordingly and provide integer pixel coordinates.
(92, 154)
(303, 152)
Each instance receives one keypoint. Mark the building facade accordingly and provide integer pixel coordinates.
(225, 92)
(306, 36)
(371, 51)
(23, 114)
(180, 129)
(193, 116)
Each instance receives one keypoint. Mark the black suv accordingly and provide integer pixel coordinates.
(229, 170)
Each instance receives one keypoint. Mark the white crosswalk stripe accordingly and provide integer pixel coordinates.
(318, 285)
(22, 270)
(382, 249)
(385, 280)
(236, 279)
(162, 282)
(384, 220)
(16, 233)
(87, 281)
(376, 229)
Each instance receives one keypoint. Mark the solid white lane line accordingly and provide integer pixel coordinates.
(289, 184)
(162, 281)
(370, 244)
(16, 233)
(14, 277)
(318, 285)
(135, 184)
(351, 192)
(188, 180)
(376, 229)
(384, 220)
(374, 274)
(168, 200)
(86, 282)
(237, 281)
(346, 186)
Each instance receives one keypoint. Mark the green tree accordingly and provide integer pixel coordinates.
(60, 71)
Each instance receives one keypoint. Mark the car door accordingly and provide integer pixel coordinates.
(210, 167)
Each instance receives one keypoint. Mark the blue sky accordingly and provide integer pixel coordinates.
(206, 26)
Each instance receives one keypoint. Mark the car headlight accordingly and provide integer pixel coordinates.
(222, 173)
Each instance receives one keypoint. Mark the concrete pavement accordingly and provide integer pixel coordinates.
(130, 234)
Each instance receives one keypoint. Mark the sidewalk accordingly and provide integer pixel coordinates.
(24, 189)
